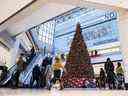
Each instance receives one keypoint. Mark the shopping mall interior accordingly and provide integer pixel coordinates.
(62, 47)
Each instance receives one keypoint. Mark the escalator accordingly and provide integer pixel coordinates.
(9, 75)
(12, 71)
(25, 76)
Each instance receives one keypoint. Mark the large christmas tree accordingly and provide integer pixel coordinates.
(78, 64)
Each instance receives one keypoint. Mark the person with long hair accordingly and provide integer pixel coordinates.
(57, 66)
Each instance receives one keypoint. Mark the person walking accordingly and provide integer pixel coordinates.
(36, 73)
(57, 66)
(63, 70)
(15, 78)
(102, 78)
(4, 72)
(43, 72)
(45, 69)
(108, 66)
(20, 67)
(111, 77)
(48, 72)
(120, 75)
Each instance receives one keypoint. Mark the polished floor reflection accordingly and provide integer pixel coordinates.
(65, 92)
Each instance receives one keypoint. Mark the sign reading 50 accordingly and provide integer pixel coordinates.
(110, 15)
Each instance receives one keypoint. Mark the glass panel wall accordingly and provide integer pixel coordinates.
(99, 29)
(43, 35)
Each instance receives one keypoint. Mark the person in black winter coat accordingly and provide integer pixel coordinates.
(102, 78)
(36, 76)
(15, 78)
(109, 69)
(111, 77)
(44, 70)
(108, 66)
(4, 72)
(45, 62)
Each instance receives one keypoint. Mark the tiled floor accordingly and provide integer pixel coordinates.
(65, 92)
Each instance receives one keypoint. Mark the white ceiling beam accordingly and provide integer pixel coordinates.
(10, 7)
(102, 4)
(44, 13)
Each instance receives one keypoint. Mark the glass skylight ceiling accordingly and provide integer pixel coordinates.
(99, 27)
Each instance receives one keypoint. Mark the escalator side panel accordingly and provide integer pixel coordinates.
(25, 73)
(38, 61)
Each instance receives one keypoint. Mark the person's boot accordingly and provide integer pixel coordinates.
(49, 87)
(110, 87)
(61, 86)
(114, 87)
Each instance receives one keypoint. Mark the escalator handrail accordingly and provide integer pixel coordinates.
(10, 70)
(8, 74)
(30, 71)
(30, 63)
(11, 67)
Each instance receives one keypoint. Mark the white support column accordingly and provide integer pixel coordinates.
(123, 31)
(14, 51)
